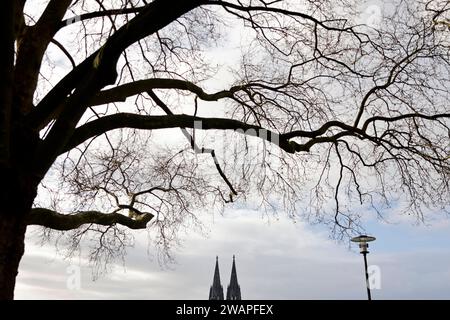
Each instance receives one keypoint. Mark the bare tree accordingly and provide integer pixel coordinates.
(342, 113)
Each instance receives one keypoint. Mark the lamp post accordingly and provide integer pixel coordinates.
(363, 246)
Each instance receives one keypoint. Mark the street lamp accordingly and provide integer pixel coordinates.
(363, 246)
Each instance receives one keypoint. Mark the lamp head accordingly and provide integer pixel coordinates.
(363, 238)
(363, 242)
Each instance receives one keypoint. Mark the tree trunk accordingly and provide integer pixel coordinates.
(12, 236)
(16, 202)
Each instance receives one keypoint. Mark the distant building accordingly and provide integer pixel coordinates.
(216, 290)
(233, 289)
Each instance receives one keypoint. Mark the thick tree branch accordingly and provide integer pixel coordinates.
(362, 132)
(57, 221)
(121, 93)
(99, 14)
(53, 102)
(403, 117)
(322, 130)
(31, 51)
(130, 120)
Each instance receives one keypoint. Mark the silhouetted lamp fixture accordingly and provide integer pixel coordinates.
(363, 241)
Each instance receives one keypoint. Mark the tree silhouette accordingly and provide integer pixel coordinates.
(343, 113)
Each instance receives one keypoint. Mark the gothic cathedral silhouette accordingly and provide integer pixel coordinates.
(233, 289)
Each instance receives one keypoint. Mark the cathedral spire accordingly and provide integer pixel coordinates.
(216, 290)
(233, 290)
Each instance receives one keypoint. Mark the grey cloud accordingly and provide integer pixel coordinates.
(280, 260)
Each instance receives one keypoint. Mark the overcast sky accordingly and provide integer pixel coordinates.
(276, 260)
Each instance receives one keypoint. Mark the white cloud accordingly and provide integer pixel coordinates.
(276, 260)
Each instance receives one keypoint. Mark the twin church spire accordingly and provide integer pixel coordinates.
(216, 290)
(233, 289)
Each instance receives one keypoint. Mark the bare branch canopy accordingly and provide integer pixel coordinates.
(151, 114)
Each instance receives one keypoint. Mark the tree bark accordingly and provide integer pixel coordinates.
(12, 246)
(16, 202)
